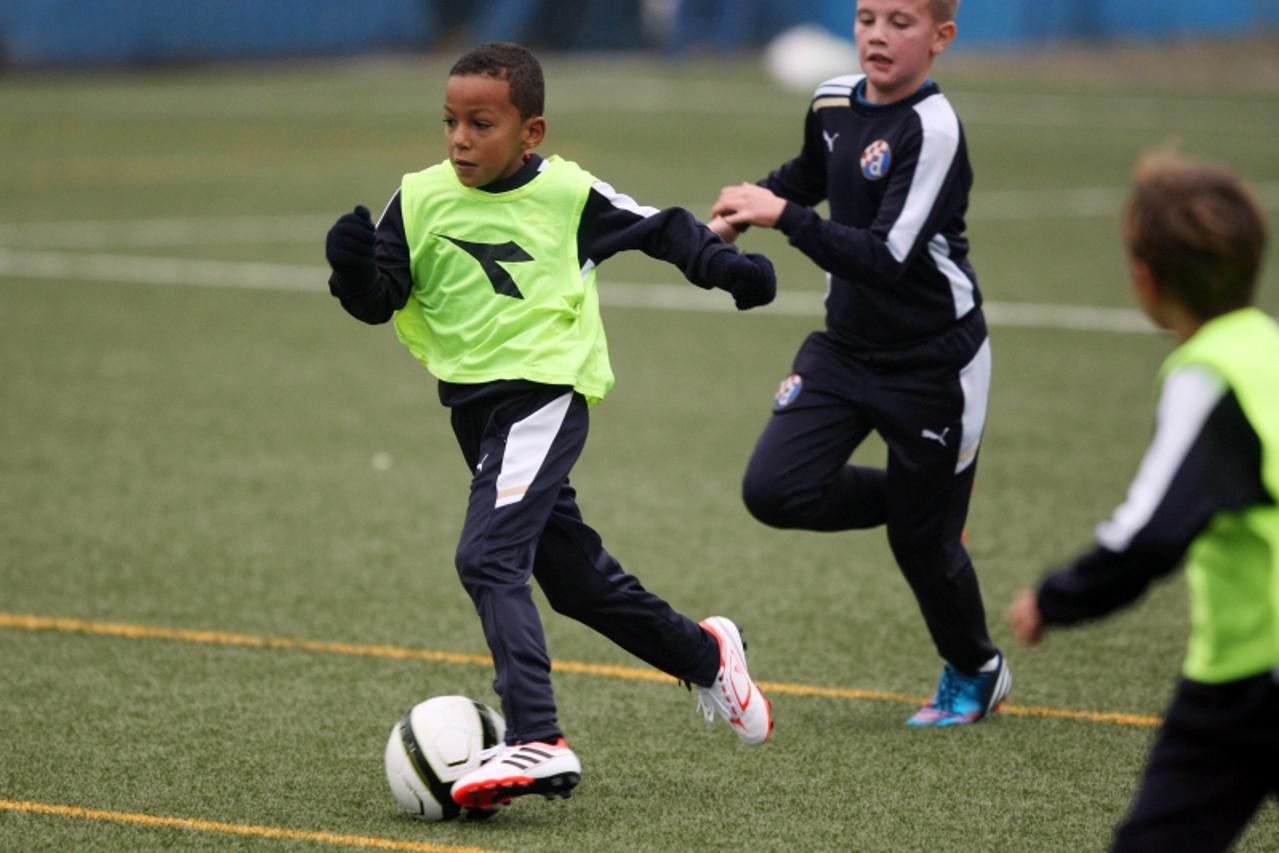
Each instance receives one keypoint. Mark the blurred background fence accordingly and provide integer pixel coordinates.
(60, 33)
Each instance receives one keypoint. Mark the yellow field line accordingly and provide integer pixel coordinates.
(1116, 717)
(630, 673)
(237, 828)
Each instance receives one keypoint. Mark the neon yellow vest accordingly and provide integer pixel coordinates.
(1232, 566)
(498, 289)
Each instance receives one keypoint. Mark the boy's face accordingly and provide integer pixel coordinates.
(896, 43)
(486, 136)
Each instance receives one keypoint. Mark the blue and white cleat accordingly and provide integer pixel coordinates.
(962, 699)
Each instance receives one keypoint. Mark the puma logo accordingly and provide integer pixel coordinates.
(940, 437)
(830, 141)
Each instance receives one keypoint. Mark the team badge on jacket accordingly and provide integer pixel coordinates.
(788, 390)
(876, 159)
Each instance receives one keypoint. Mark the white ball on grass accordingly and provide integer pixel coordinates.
(800, 58)
(439, 741)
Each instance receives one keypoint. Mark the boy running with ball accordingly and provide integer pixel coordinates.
(486, 262)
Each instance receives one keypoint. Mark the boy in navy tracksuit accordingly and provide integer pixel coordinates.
(486, 263)
(904, 352)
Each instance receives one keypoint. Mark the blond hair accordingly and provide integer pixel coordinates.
(1199, 229)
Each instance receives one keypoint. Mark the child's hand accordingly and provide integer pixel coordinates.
(350, 248)
(1024, 617)
(750, 278)
(720, 226)
(748, 204)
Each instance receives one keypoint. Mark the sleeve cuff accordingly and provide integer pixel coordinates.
(793, 218)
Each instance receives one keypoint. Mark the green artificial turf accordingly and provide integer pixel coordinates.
(253, 462)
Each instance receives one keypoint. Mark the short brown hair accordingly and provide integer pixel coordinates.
(1198, 229)
(514, 64)
(943, 10)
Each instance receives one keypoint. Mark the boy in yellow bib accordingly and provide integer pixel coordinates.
(1205, 493)
(487, 264)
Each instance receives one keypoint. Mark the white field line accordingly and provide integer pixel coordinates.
(291, 229)
(172, 231)
(81, 266)
(298, 229)
(644, 94)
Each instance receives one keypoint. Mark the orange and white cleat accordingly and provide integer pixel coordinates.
(549, 769)
(734, 696)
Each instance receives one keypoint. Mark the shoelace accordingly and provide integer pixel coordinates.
(706, 704)
(487, 755)
(705, 699)
(951, 687)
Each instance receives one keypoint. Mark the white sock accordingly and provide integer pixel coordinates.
(990, 665)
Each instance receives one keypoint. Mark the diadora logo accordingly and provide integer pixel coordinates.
(488, 255)
(876, 159)
(830, 141)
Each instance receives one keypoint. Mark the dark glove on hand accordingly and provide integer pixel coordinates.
(350, 249)
(749, 277)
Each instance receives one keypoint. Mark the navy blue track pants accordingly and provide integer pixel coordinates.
(1215, 762)
(929, 406)
(522, 520)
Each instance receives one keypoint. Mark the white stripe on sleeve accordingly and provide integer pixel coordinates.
(961, 286)
(1188, 398)
(842, 85)
(941, 142)
(622, 201)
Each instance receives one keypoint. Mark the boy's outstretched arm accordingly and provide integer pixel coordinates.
(924, 194)
(748, 204)
(370, 264)
(749, 277)
(846, 251)
(801, 180)
(1205, 458)
(612, 222)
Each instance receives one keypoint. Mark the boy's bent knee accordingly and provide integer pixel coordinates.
(469, 565)
(766, 501)
(478, 566)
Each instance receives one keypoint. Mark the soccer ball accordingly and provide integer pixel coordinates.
(801, 57)
(436, 743)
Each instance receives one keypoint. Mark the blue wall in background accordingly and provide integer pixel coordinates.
(1013, 22)
(38, 33)
(117, 32)
(994, 21)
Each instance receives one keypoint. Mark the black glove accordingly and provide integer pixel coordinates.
(749, 277)
(350, 249)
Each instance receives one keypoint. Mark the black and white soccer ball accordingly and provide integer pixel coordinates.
(436, 743)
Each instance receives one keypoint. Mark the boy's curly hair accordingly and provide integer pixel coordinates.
(512, 63)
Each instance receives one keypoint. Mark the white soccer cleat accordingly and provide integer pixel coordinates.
(550, 769)
(733, 695)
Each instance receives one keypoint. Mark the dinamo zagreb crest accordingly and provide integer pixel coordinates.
(876, 159)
